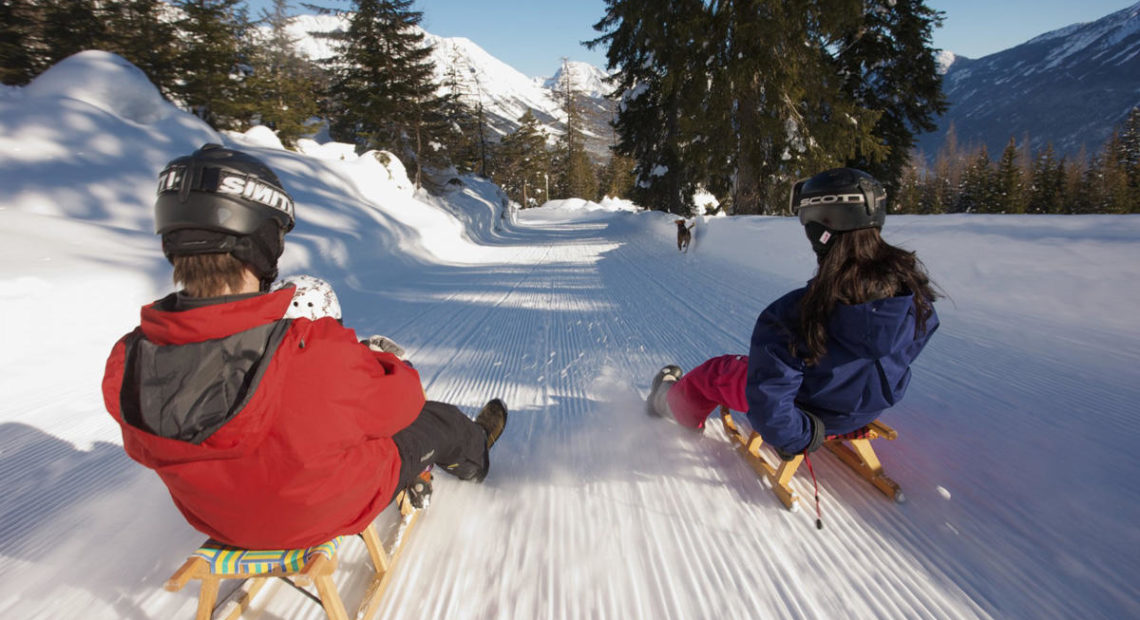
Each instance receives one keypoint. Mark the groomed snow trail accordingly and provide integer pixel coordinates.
(594, 510)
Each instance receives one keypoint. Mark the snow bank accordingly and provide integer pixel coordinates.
(578, 206)
(96, 121)
(259, 136)
(106, 81)
(327, 150)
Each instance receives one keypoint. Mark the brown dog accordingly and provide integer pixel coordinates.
(684, 235)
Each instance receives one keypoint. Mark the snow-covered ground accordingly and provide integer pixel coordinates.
(1018, 437)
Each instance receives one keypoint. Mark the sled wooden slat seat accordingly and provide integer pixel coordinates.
(854, 449)
(213, 562)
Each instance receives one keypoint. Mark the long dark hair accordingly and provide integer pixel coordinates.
(860, 267)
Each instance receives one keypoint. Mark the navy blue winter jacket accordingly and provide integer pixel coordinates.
(870, 347)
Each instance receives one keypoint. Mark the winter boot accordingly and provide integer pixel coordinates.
(493, 419)
(657, 405)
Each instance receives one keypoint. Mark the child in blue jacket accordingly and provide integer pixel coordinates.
(828, 358)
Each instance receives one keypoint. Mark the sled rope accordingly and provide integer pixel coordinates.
(818, 511)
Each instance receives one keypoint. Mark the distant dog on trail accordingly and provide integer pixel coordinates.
(684, 235)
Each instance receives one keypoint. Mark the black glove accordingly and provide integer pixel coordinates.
(818, 435)
(419, 491)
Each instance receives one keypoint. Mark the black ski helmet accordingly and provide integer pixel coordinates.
(841, 199)
(836, 201)
(219, 200)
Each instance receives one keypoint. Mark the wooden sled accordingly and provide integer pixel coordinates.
(214, 562)
(854, 449)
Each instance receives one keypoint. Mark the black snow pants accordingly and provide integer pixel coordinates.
(442, 436)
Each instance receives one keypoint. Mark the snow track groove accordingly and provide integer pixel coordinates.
(618, 509)
(594, 510)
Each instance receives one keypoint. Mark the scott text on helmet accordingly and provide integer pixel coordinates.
(833, 199)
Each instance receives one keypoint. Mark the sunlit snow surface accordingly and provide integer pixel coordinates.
(1018, 438)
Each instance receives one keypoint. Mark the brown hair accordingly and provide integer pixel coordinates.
(860, 267)
(208, 275)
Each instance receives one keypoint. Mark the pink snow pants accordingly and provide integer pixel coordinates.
(718, 381)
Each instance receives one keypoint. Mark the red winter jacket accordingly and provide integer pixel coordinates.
(282, 430)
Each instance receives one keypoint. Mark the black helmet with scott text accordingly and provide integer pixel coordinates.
(837, 201)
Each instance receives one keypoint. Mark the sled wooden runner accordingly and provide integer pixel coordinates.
(854, 449)
(213, 563)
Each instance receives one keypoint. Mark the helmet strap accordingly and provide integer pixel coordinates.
(821, 237)
(189, 241)
(259, 250)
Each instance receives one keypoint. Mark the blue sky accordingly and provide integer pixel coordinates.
(533, 35)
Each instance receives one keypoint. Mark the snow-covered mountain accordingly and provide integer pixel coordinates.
(1070, 87)
(504, 92)
(944, 59)
(586, 78)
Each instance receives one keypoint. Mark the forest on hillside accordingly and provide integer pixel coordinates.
(736, 99)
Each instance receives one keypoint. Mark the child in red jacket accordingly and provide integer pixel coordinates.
(271, 425)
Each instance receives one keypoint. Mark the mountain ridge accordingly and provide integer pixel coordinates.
(1069, 87)
(504, 92)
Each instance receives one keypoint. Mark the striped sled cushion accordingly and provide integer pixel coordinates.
(227, 560)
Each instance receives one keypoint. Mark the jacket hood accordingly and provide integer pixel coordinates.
(192, 385)
(164, 327)
(875, 329)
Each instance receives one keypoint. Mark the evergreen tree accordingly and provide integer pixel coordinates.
(521, 165)
(283, 87)
(481, 146)
(1128, 158)
(137, 31)
(891, 67)
(471, 149)
(908, 197)
(744, 96)
(17, 37)
(617, 177)
(938, 194)
(209, 64)
(69, 27)
(977, 190)
(649, 45)
(1116, 195)
(945, 184)
(785, 96)
(1075, 191)
(1046, 190)
(384, 95)
(1025, 159)
(572, 167)
(575, 174)
(35, 34)
(432, 127)
(1009, 186)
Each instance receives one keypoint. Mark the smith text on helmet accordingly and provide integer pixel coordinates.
(234, 184)
(252, 189)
